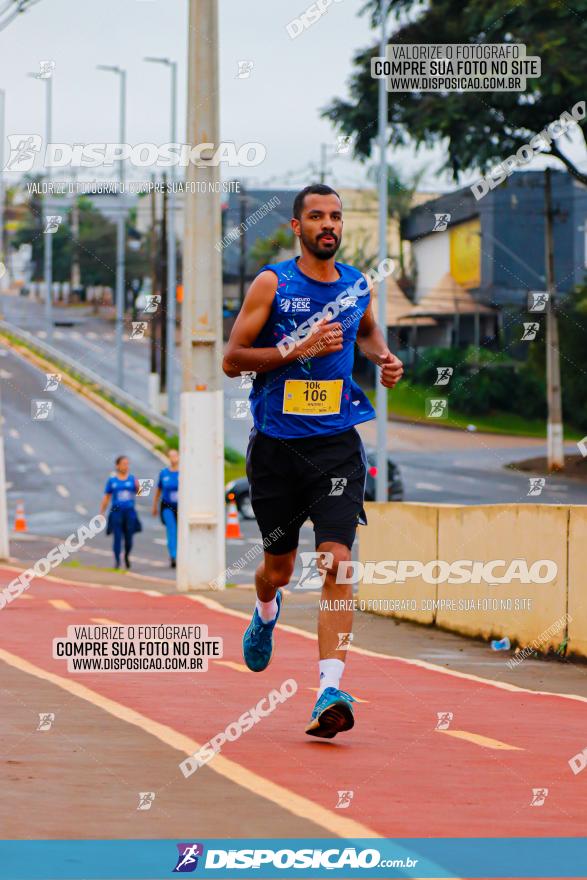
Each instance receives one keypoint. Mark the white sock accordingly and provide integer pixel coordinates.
(267, 610)
(330, 674)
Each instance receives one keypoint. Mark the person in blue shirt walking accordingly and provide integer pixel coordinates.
(167, 491)
(123, 521)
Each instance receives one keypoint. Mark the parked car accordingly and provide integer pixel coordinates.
(242, 495)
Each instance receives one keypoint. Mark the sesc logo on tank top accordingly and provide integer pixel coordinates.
(294, 305)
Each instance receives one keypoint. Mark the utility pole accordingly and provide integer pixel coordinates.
(47, 236)
(554, 439)
(171, 259)
(120, 228)
(201, 554)
(381, 489)
(242, 266)
(165, 293)
(48, 241)
(75, 279)
(323, 162)
(171, 247)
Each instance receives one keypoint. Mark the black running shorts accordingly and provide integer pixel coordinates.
(321, 478)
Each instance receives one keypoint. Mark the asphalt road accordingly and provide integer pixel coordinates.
(59, 467)
(437, 464)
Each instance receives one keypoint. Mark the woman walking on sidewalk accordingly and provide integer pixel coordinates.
(167, 491)
(123, 521)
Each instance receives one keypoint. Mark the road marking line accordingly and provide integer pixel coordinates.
(79, 508)
(485, 741)
(258, 785)
(14, 433)
(356, 699)
(213, 605)
(239, 667)
(431, 487)
(63, 491)
(105, 620)
(44, 467)
(61, 604)
(28, 448)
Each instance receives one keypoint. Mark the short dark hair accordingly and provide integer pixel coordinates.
(318, 189)
(119, 458)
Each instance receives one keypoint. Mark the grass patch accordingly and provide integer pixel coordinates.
(408, 401)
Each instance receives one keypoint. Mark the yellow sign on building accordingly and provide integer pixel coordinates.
(465, 253)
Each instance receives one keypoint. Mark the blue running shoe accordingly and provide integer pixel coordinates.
(258, 640)
(332, 714)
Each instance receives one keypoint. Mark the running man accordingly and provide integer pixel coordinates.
(296, 330)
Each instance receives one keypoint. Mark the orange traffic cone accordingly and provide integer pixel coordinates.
(233, 529)
(20, 519)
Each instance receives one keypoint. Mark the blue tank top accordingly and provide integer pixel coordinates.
(297, 299)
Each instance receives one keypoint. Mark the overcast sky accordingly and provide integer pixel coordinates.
(278, 105)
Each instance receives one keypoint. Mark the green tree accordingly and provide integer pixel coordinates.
(478, 129)
(265, 250)
(96, 245)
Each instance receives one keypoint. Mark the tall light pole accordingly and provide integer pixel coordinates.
(120, 228)
(201, 556)
(171, 245)
(381, 392)
(48, 236)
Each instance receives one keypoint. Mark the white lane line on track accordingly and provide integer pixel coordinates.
(28, 448)
(63, 491)
(44, 468)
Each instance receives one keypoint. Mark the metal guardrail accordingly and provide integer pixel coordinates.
(113, 391)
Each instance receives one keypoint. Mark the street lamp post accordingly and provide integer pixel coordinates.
(48, 236)
(120, 229)
(171, 246)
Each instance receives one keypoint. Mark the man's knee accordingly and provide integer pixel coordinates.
(333, 557)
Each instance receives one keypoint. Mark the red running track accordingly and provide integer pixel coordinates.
(408, 779)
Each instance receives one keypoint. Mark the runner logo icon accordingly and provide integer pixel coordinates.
(187, 860)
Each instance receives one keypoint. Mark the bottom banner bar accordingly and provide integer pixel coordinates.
(554, 857)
